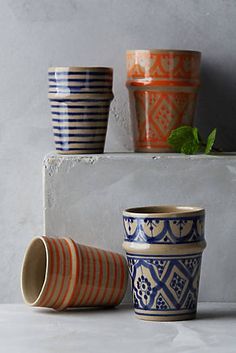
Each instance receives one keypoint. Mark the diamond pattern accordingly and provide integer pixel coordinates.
(191, 264)
(161, 304)
(177, 283)
(159, 112)
(165, 283)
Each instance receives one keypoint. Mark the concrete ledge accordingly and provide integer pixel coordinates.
(84, 196)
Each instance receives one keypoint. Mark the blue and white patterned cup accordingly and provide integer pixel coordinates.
(80, 100)
(164, 246)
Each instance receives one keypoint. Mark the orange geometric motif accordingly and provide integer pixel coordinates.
(158, 113)
(157, 64)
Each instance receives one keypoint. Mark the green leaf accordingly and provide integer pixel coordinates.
(210, 141)
(179, 136)
(190, 147)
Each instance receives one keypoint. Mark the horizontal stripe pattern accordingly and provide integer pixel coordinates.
(68, 71)
(100, 87)
(71, 113)
(60, 127)
(78, 139)
(80, 80)
(79, 143)
(80, 101)
(72, 107)
(57, 134)
(79, 275)
(75, 150)
(84, 91)
(79, 120)
(79, 127)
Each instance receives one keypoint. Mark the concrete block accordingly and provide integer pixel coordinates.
(84, 197)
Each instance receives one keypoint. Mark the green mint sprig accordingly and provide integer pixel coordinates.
(186, 139)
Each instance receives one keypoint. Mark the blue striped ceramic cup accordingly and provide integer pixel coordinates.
(80, 99)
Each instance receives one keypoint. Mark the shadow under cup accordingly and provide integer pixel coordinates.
(80, 101)
(164, 246)
(59, 273)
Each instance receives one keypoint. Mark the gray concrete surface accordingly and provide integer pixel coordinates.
(38, 34)
(85, 196)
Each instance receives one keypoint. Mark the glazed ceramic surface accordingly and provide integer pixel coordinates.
(80, 100)
(164, 247)
(163, 87)
(59, 273)
(163, 64)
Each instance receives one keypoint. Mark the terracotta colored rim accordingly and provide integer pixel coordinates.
(164, 211)
(79, 68)
(156, 51)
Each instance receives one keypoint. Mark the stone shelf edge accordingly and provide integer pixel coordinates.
(114, 155)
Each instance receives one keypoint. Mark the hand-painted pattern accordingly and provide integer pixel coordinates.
(80, 100)
(165, 284)
(162, 231)
(165, 65)
(159, 112)
(80, 275)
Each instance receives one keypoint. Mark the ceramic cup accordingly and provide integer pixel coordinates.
(59, 273)
(80, 101)
(163, 87)
(164, 246)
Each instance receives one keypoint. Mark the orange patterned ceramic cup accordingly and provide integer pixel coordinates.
(163, 87)
(59, 273)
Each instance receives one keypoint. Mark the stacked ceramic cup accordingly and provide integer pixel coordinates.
(80, 99)
(163, 86)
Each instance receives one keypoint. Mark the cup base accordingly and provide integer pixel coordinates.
(79, 152)
(164, 317)
(154, 149)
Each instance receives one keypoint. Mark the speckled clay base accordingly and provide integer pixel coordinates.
(165, 317)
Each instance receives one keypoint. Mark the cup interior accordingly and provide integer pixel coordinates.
(80, 69)
(169, 210)
(157, 51)
(33, 275)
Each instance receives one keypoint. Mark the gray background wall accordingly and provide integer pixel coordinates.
(37, 34)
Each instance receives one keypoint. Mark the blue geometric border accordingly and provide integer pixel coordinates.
(136, 230)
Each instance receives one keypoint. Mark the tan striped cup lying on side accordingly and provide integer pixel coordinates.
(59, 273)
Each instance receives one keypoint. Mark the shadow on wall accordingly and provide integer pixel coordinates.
(217, 105)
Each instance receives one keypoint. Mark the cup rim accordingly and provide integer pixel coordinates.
(24, 264)
(157, 51)
(79, 68)
(164, 211)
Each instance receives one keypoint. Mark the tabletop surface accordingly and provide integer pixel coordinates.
(25, 329)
